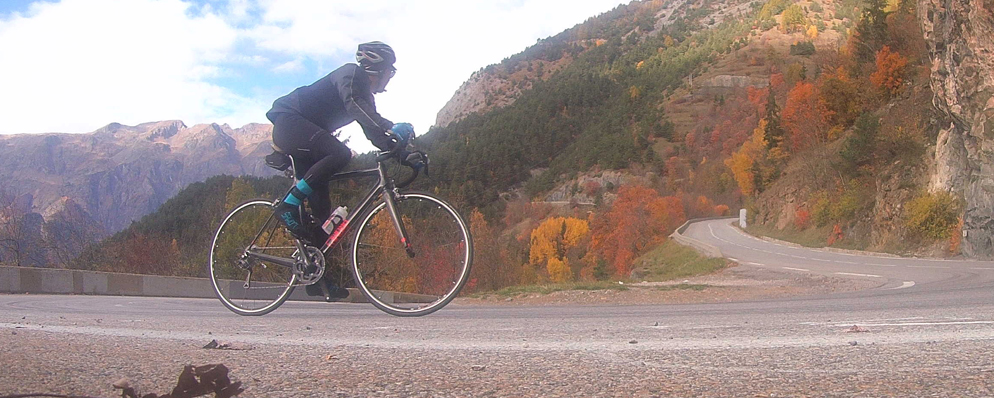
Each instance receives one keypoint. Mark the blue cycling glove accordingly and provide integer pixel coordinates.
(404, 133)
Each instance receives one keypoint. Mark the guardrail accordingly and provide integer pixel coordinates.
(66, 281)
(704, 249)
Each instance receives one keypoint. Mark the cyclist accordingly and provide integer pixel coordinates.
(302, 124)
(304, 119)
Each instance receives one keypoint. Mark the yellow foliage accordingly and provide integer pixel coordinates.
(813, 32)
(639, 65)
(559, 270)
(634, 92)
(742, 162)
(555, 236)
(550, 242)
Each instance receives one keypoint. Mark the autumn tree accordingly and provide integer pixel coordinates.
(639, 219)
(802, 118)
(840, 98)
(69, 232)
(551, 243)
(12, 250)
(793, 19)
(890, 71)
(489, 268)
(21, 240)
(796, 73)
(744, 162)
(702, 207)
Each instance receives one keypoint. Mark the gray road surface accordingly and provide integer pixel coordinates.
(927, 330)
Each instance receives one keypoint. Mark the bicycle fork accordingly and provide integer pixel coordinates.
(398, 224)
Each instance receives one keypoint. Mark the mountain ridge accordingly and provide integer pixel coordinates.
(119, 173)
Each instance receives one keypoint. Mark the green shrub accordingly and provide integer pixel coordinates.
(932, 215)
(846, 206)
(859, 148)
(838, 207)
(821, 208)
(803, 48)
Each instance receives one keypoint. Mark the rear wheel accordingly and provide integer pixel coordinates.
(405, 285)
(245, 284)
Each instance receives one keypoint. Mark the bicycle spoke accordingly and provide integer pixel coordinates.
(412, 286)
(245, 284)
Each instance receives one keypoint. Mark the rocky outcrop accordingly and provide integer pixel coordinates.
(496, 86)
(960, 37)
(120, 173)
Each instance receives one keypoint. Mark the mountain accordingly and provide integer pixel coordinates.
(816, 116)
(499, 85)
(119, 173)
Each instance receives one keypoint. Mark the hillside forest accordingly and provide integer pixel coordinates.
(812, 115)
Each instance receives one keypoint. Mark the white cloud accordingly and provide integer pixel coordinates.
(79, 64)
(297, 65)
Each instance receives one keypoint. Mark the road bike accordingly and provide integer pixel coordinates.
(411, 252)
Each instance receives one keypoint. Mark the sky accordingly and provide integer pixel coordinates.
(73, 66)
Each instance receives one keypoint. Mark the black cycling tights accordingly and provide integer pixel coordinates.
(317, 153)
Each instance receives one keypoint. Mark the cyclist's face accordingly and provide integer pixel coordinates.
(379, 81)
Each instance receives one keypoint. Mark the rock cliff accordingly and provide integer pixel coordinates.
(960, 36)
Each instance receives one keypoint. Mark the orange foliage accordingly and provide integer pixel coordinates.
(802, 218)
(836, 235)
(840, 99)
(721, 210)
(802, 118)
(703, 207)
(639, 219)
(757, 97)
(890, 71)
(777, 81)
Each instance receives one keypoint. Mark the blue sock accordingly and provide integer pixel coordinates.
(298, 194)
(304, 188)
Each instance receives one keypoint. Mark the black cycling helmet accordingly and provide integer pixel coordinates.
(375, 57)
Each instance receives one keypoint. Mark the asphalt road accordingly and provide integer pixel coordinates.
(926, 330)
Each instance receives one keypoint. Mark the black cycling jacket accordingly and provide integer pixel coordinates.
(336, 100)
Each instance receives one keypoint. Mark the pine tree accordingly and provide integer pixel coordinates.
(775, 133)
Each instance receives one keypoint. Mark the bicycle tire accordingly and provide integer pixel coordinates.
(248, 224)
(398, 284)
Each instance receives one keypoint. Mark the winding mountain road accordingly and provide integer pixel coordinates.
(922, 276)
(927, 329)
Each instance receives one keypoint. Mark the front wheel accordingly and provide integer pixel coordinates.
(246, 284)
(405, 285)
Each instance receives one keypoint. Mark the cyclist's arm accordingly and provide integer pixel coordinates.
(358, 99)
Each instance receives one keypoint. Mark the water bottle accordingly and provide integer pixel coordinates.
(336, 219)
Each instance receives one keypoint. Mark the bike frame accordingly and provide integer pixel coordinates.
(384, 187)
